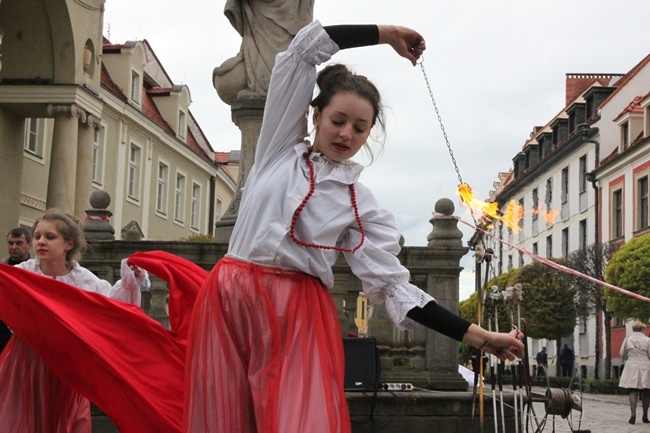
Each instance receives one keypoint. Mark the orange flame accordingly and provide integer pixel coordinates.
(490, 211)
(550, 215)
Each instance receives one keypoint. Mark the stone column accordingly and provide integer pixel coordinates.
(85, 160)
(63, 160)
(421, 356)
(446, 247)
(247, 115)
(11, 167)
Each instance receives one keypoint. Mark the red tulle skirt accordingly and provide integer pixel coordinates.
(34, 400)
(265, 354)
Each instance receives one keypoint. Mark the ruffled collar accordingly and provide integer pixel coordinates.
(346, 172)
(35, 265)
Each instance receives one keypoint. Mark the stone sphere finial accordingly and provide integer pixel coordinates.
(97, 225)
(445, 207)
(445, 230)
(100, 199)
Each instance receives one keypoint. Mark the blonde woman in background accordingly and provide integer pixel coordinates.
(635, 350)
(34, 399)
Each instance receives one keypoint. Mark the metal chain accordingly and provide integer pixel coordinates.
(444, 133)
(442, 126)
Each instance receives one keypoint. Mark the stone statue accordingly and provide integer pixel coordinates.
(266, 28)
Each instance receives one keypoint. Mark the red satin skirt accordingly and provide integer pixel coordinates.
(265, 354)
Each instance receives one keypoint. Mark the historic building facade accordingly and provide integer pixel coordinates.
(79, 114)
(579, 179)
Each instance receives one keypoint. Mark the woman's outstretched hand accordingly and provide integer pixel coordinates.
(406, 42)
(503, 346)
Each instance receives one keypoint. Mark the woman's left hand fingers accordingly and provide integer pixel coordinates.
(135, 269)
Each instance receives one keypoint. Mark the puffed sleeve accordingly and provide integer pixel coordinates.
(127, 289)
(290, 90)
(383, 277)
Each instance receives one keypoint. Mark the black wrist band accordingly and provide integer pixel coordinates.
(440, 319)
(351, 36)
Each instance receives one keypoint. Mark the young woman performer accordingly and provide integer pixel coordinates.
(265, 347)
(33, 398)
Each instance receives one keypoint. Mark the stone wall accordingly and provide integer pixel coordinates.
(424, 358)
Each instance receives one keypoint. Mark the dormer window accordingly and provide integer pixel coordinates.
(625, 134)
(136, 87)
(182, 124)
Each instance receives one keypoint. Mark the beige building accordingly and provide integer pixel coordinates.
(79, 114)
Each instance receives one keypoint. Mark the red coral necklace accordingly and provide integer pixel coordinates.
(299, 209)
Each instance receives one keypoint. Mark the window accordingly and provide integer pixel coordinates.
(642, 203)
(509, 262)
(196, 206)
(98, 155)
(521, 260)
(134, 172)
(218, 212)
(565, 184)
(582, 234)
(617, 214)
(548, 200)
(535, 248)
(161, 188)
(521, 216)
(549, 246)
(565, 243)
(583, 173)
(535, 204)
(617, 322)
(625, 132)
(34, 137)
(179, 198)
(136, 86)
(182, 126)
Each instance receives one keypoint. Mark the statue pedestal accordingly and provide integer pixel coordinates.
(247, 114)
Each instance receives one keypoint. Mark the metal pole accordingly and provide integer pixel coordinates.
(500, 368)
(514, 371)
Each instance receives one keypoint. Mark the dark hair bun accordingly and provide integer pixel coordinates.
(331, 76)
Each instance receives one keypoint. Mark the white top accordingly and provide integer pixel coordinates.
(279, 179)
(126, 290)
(636, 347)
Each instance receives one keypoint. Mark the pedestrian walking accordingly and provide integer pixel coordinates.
(635, 352)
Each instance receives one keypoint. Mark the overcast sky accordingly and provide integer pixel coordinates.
(497, 68)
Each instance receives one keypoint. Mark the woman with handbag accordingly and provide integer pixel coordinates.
(635, 351)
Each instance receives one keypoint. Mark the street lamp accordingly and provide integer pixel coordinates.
(584, 130)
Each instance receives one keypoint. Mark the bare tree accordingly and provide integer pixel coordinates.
(589, 296)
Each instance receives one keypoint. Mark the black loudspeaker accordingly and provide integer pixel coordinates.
(362, 366)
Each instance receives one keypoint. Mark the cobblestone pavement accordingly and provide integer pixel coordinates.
(601, 414)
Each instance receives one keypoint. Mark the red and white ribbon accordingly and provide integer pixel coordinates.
(558, 266)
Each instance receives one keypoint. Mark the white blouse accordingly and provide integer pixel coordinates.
(279, 179)
(126, 290)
